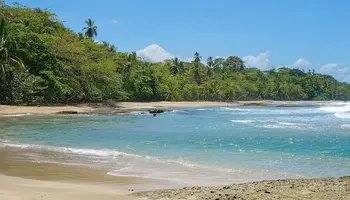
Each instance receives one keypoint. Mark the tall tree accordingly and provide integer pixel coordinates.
(210, 61)
(90, 29)
(234, 63)
(210, 64)
(8, 50)
(197, 68)
(175, 66)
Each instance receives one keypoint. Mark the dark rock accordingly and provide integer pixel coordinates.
(255, 104)
(156, 111)
(66, 112)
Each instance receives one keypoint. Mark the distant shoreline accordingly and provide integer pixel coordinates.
(93, 108)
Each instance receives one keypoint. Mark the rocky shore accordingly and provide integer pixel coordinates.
(311, 189)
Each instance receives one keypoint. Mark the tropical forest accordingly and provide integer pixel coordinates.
(42, 62)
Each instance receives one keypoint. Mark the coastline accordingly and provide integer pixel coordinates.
(27, 180)
(127, 107)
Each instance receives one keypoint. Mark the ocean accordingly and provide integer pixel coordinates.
(193, 146)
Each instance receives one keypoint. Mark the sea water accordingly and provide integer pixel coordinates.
(193, 146)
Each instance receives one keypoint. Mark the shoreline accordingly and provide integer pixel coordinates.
(127, 107)
(26, 179)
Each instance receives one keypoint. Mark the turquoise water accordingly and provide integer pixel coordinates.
(194, 146)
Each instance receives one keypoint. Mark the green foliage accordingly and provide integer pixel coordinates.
(42, 62)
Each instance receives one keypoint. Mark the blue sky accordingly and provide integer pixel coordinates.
(271, 33)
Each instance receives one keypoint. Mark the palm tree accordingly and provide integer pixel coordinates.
(8, 49)
(197, 70)
(210, 64)
(90, 29)
(175, 66)
(80, 36)
(210, 61)
(109, 46)
(197, 58)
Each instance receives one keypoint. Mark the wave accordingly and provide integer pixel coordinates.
(91, 152)
(342, 115)
(345, 126)
(274, 111)
(203, 109)
(243, 121)
(340, 110)
(15, 115)
(236, 109)
(336, 109)
(273, 124)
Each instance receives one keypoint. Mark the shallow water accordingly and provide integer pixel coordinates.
(194, 146)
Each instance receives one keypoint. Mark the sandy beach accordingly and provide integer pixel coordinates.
(21, 178)
(96, 108)
(14, 188)
(25, 180)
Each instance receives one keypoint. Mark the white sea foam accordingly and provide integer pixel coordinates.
(15, 115)
(336, 109)
(236, 109)
(345, 126)
(92, 152)
(342, 115)
(243, 121)
(340, 110)
(203, 109)
(274, 111)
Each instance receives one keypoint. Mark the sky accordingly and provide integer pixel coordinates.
(305, 34)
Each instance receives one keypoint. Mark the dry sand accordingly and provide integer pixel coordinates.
(14, 188)
(41, 110)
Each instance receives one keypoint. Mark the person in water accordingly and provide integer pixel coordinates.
(154, 114)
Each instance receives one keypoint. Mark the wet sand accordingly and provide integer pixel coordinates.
(25, 179)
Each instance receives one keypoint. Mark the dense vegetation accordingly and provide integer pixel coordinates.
(43, 62)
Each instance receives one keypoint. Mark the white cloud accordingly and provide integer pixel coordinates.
(112, 21)
(154, 53)
(339, 71)
(301, 62)
(261, 61)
